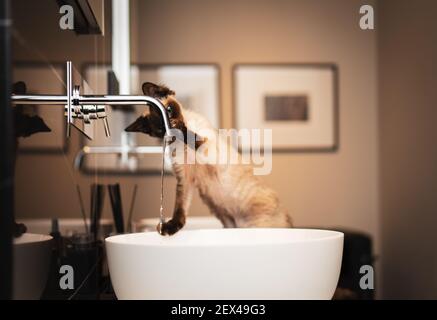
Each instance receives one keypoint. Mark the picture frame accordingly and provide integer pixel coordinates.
(298, 102)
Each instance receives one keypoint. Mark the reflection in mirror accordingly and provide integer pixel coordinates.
(31, 74)
(79, 83)
(82, 117)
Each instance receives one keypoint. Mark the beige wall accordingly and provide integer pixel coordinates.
(408, 149)
(320, 189)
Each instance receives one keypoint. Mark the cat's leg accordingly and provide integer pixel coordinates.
(227, 220)
(220, 213)
(184, 192)
(265, 218)
(265, 221)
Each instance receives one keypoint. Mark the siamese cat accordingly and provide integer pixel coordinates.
(231, 191)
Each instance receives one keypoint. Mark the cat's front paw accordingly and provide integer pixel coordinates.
(170, 227)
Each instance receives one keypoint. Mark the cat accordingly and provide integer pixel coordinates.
(231, 191)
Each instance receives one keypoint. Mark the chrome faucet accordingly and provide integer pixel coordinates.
(89, 107)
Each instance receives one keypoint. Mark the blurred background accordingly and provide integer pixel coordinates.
(379, 176)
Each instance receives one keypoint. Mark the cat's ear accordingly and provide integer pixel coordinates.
(150, 89)
(139, 125)
(156, 91)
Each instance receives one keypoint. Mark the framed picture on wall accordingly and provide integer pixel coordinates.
(53, 76)
(298, 102)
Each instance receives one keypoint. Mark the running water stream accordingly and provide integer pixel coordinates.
(161, 208)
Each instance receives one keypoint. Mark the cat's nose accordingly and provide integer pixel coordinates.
(131, 128)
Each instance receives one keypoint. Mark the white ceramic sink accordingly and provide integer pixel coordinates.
(226, 264)
(32, 253)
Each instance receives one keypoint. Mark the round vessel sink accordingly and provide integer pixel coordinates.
(226, 264)
(32, 253)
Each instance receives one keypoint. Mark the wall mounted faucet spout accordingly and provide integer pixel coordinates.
(83, 100)
(74, 102)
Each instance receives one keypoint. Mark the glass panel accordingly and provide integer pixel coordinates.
(51, 197)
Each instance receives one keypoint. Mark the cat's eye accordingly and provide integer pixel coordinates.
(169, 111)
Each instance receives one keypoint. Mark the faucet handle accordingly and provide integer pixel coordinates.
(89, 113)
(106, 126)
(101, 114)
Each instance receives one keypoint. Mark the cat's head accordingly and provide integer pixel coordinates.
(151, 122)
(26, 125)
